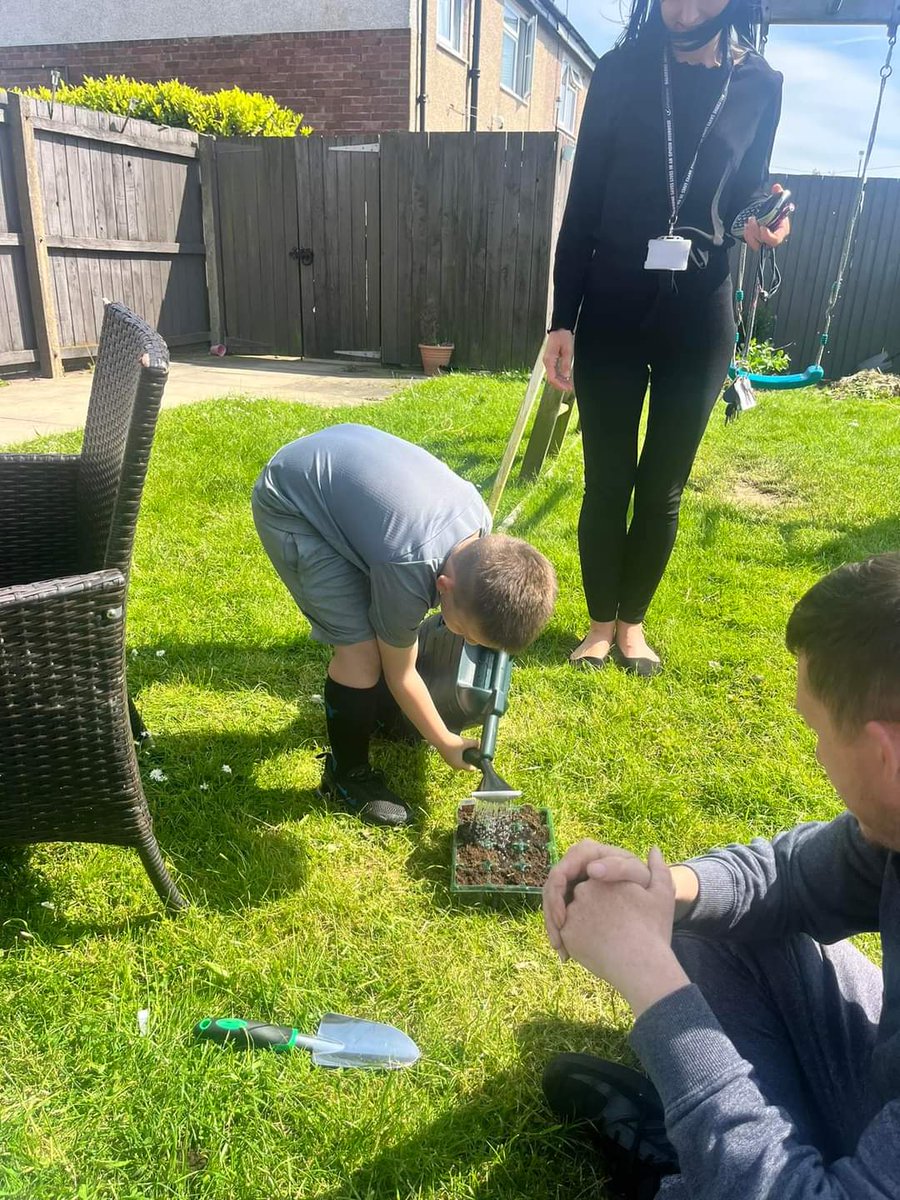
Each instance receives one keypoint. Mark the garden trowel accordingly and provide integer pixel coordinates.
(339, 1042)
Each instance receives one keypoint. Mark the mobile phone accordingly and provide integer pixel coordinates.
(769, 212)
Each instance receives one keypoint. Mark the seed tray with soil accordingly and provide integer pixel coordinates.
(499, 851)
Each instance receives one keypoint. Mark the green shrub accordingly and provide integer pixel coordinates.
(763, 358)
(229, 113)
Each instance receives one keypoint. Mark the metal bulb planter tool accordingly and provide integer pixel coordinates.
(493, 793)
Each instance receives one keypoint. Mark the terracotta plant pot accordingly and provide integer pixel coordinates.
(435, 357)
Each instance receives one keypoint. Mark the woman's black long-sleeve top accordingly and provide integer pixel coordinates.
(619, 197)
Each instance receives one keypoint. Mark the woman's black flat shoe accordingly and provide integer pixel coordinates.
(646, 668)
(589, 662)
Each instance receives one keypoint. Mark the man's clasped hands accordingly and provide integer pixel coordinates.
(614, 913)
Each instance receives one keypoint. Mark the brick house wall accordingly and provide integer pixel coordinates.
(353, 81)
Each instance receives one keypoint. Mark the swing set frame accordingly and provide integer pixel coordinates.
(555, 408)
(794, 12)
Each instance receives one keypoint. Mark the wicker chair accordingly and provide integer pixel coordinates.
(68, 770)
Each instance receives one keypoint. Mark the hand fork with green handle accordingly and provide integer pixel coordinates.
(339, 1042)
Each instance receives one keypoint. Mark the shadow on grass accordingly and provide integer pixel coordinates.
(805, 541)
(226, 834)
(231, 839)
(464, 1139)
(238, 844)
(524, 525)
(852, 543)
(28, 911)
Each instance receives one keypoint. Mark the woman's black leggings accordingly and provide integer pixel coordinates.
(680, 341)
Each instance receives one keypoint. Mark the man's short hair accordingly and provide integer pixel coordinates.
(507, 587)
(847, 628)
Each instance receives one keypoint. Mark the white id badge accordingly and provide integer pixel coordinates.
(668, 254)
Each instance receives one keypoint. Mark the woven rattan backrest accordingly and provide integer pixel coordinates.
(131, 371)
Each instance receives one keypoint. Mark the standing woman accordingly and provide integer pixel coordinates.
(675, 140)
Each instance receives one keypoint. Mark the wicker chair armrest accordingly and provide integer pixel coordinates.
(98, 589)
(38, 516)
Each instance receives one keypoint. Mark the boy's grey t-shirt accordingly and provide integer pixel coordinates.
(389, 507)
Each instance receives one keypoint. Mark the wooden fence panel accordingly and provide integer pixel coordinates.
(123, 212)
(467, 222)
(18, 342)
(867, 317)
(121, 218)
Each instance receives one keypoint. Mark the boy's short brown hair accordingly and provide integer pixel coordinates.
(507, 587)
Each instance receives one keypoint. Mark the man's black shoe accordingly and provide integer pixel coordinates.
(363, 792)
(621, 1112)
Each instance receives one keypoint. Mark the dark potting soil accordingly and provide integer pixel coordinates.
(509, 850)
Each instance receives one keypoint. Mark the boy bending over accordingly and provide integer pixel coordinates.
(369, 532)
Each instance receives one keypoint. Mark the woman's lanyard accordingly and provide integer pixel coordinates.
(676, 198)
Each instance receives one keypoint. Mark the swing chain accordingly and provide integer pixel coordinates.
(884, 74)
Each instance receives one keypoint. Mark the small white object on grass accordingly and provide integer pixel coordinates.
(158, 776)
(160, 654)
(143, 1018)
(226, 770)
(204, 787)
(316, 698)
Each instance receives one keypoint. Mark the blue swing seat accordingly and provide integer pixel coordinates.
(775, 383)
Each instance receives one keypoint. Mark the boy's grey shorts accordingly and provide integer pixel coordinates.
(331, 592)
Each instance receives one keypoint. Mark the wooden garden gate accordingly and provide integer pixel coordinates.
(297, 257)
(335, 246)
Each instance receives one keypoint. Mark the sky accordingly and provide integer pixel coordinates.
(830, 87)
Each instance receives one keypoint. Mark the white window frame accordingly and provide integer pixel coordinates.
(453, 14)
(523, 38)
(570, 84)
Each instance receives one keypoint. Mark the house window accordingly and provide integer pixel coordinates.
(518, 50)
(570, 85)
(450, 24)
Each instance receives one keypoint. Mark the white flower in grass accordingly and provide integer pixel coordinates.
(158, 776)
(160, 654)
(204, 787)
(134, 654)
(143, 1018)
(226, 770)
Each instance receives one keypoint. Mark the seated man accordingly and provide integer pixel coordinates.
(369, 532)
(773, 1044)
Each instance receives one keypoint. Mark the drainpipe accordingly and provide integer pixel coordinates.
(475, 69)
(423, 63)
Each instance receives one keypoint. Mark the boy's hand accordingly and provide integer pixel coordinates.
(452, 750)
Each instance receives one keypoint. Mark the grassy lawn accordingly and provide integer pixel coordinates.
(297, 909)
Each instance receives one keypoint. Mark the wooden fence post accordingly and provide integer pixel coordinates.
(37, 258)
(548, 430)
(209, 196)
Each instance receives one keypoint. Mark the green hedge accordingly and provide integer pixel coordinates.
(230, 113)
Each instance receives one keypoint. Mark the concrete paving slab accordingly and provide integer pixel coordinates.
(37, 406)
